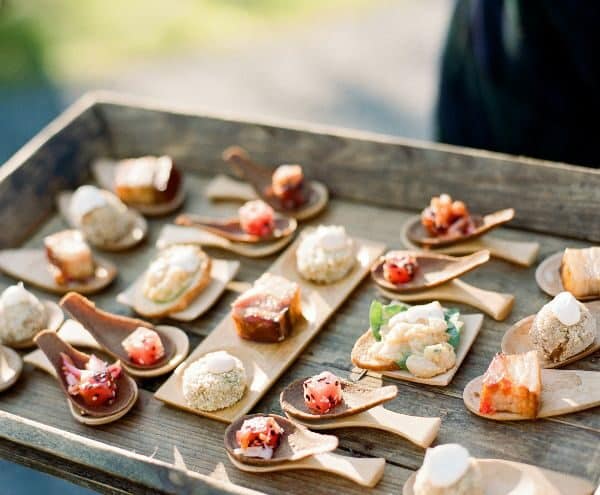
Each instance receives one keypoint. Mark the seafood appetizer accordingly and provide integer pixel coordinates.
(96, 383)
(257, 218)
(288, 185)
(445, 217)
(70, 257)
(448, 470)
(326, 254)
(268, 311)
(421, 339)
(580, 272)
(22, 315)
(322, 392)
(144, 346)
(399, 268)
(215, 381)
(259, 437)
(512, 383)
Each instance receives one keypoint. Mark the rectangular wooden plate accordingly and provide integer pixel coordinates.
(264, 362)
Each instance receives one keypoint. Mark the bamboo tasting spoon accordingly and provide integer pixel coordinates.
(516, 340)
(11, 367)
(301, 448)
(361, 407)
(520, 253)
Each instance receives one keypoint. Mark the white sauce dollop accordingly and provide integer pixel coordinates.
(446, 464)
(566, 308)
(218, 362)
(86, 199)
(330, 238)
(17, 294)
(184, 257)
(419, 314)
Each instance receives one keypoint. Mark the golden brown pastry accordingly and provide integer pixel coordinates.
(580, 272)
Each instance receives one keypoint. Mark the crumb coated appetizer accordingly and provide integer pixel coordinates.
(70, 256)
(512, 383)
(96, 384)
(563, 328)
(268, 310)
(580, 272)
(447, 218)
(288, 186)
(259, 437)
(399, 269)
(22, 315)
(100, 215)
(144, 346)
(448, 470)
(257, 218)
(326, 254)
(148, 180)
(215, 381)
(322, 392)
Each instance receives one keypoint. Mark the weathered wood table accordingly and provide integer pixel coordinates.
(376, 182)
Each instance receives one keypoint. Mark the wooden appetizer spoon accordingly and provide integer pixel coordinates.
(433, 269)
(232, 230)
(127, 391)
(301, 448)
(514, 478)
(11, 367)
(138, 231)
(516, 340)
(174, 234)
(563, 392)
(55, 318)
(361, 407)
(32, 266)
(520, 253)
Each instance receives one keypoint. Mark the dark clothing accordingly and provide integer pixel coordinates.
(523, 77)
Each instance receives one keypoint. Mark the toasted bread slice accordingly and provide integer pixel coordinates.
(361, 357)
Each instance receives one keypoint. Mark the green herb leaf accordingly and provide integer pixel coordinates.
(376, 318)
(451, 316)
(401, 363)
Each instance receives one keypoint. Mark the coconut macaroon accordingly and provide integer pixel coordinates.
(448, 470)
(326, 254)
(562, 328)
(215, 381)
(102, 217)
(22, 315)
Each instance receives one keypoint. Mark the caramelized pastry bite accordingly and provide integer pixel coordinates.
(70, 257)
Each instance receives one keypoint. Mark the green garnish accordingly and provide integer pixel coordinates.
(380, 314)
(451, 316)
(401, 363)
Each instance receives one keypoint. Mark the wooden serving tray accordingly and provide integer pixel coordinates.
(265, 362)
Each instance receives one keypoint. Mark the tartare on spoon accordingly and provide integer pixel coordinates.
(433, 269)
(11, 367)
(232, 230)
(516, 340)
(301, 448)
(139, 226)
(563, 392)
(52, 346)
(505, 477)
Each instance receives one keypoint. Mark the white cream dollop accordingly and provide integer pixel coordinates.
(419, 314)
(566, 308)
(218, 362)
(330, 238)
(185, 258)
(17, 294)
(85, 199)
(445, 464)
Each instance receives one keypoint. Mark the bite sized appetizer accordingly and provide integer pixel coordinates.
(148, 180)
(288, 186)
(322, 392)
(580, 272)
(448, 470)
(259, 437)
(420, 339)
(215, 381)
(22, 315)
(399, 269)
(326, 254)
(512, 383)
(70, 257)
(96, 384)
(100, 215)
(144, 346)
(445, 217)
(257, 218)
(563, 328)
(268, 310)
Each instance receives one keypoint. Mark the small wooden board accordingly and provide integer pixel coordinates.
(263, 362)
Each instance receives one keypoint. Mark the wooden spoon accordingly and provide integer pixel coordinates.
(52, 346)
(174, 234)
(361, 407)
(139, 226)
(11, 367)
(55, 318)
(505, 477)
(301, 448)
(563, 392)
(32, 266)
(520, 253)
(516, 340)
(433, 269)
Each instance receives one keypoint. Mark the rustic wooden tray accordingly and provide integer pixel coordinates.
(377, 182)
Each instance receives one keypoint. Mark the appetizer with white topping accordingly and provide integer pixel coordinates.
(70, 257)
(257, 218)
(22, 315)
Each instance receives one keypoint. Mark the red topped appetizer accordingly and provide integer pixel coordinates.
(259, 437)
(70, 256)
(288, 185)
(447, 218)
(144, 346)
(96, 384)
(322, 392)
(399, 269)
(257, 218)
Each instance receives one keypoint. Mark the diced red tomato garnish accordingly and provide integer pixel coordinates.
(399, 269)
(257, 218)
(322, 392)
(260, 431)
(144, 346)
